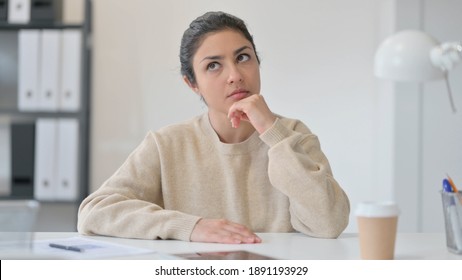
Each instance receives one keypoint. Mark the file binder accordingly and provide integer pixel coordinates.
(45, 158)
(69, 94)
(56, 163)
(67, 160)
(46, 10)
(5, 159)
(22, 160)
(49, 70)
(19, 11)
(28, 68)
(3, 10)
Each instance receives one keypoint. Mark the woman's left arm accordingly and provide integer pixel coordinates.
(299, 169)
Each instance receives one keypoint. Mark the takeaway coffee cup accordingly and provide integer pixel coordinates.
(377, 224)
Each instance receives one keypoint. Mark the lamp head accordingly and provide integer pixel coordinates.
(405, 56)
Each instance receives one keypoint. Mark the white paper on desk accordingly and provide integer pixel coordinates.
(93, 249)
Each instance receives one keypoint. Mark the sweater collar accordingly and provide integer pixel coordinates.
(250, 144)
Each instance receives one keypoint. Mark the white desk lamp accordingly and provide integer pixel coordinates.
(413, 55)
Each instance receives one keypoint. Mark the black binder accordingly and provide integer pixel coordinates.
(3, 10)
(46, 10)
(22, 160)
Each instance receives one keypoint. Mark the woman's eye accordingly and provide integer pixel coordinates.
(243, 57)
(213, 66)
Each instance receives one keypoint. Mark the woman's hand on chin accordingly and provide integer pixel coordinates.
(254, 110)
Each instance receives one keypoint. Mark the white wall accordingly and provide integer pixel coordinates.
(316, 66)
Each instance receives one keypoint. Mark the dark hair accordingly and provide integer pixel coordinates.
(194, 35)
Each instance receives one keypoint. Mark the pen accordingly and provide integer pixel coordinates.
(451, 182)
(64, 247)
(447, 186)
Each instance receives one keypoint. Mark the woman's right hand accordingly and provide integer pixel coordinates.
(222, 231)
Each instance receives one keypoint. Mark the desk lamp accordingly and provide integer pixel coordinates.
(413, 55)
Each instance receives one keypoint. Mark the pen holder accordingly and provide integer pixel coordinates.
(452, 209)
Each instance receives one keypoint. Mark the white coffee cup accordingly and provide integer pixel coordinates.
(377, 224)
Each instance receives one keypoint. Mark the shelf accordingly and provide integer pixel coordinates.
(38, 114)
(59, 202)
(73, 144)
(38, 25)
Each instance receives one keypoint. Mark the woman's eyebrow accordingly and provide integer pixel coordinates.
(219, 57)
(213, 57)
(236, 52)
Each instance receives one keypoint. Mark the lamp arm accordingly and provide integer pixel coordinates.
(446, 55)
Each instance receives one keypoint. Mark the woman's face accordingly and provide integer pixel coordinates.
(226, 70)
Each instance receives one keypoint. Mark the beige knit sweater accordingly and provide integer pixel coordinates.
(279, 181)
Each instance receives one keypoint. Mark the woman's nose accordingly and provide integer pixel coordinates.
(235, 75)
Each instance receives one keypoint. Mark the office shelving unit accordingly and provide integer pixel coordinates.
(9, 111)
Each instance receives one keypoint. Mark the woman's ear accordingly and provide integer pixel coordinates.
(191, 85)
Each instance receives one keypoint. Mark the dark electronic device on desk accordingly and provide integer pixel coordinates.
(226, 255)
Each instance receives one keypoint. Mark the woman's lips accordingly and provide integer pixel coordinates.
(238, 94)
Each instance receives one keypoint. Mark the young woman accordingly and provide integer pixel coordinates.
(222, 176)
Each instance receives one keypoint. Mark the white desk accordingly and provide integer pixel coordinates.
(414, 246)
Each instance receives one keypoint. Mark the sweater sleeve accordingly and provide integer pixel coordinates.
(300, 170)
(129, 204)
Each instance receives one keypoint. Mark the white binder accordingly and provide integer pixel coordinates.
(67, 160)
(50, 53)
(28, 66)
(71, 47)
(19, 11)
(5, 159)
(45, 158)
(56, 159)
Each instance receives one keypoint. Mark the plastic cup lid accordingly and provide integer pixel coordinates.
(377, 209)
